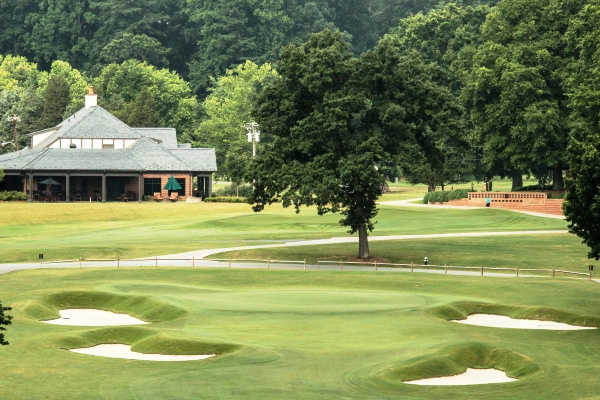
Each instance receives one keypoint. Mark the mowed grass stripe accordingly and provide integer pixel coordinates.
(560, 251)
(66, 231)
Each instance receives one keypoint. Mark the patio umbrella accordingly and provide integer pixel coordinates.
(49, 181)
(172, 184)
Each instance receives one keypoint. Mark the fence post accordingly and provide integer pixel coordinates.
(193, 262)
(412, 266)
(118, 262)
(553, 273)
(305, 265)
(482, 271)
(517, 272)
(446, 269)
(80, 264)
(155, 261)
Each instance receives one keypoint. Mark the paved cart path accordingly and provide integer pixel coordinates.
(418, 202)
(197, 258)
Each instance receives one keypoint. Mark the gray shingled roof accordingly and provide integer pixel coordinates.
(19, 159)
(85, 160)
(95, 122)
(167, 136)
(146, 155)
(156, 149)
(198, 159)
(155, 157)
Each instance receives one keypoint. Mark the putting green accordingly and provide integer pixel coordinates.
(291, 334)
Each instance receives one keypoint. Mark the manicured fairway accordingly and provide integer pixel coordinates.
(67, 231)
(561, 251)
(295, 335)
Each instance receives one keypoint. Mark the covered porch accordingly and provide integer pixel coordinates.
(13, 183)
(74, 187)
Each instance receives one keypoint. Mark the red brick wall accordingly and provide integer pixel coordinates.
(165, 177)
(550, 206)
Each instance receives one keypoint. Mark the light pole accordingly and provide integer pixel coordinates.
(253, 135)
(14, 119)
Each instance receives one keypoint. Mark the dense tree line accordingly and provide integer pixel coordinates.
(198, 39)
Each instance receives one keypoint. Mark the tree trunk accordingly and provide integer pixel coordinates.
(363, 242)
(431, 188)
(517, 181)
(558, 183)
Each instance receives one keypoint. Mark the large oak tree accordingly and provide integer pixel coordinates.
(330, 119)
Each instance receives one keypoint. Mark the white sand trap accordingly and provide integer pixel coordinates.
(471, 377)
(501, 321)
(124, 351)
(90, 317)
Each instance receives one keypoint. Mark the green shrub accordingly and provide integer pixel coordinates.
(234, 191)
(12, 196)
(445, 196)
(226, 199)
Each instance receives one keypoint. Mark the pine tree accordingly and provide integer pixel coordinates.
(56, 98)
(142, 112)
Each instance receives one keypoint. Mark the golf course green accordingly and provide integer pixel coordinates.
(305, 335)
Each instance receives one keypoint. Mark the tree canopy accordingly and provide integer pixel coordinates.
(168, 95)
(331, 118)
(229, 105)
(582, 206)
(198, 39)
(516, 90)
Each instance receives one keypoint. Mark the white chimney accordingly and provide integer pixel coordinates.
(91, 99)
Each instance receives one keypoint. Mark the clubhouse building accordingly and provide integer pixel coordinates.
(93, 156)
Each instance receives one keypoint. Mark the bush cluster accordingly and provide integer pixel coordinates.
(226, 199)
(12, 196)
(445, 196)
(234, 191)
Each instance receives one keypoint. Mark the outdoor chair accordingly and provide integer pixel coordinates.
(174, 196)
(157, 196)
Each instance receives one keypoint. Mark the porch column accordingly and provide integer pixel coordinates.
(209, 186)
(104, 188)
(140, 187)
(68, 188)
(24, 177)
(30, 184)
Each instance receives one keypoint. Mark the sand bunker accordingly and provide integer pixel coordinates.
(124, 351)
(501, 321)
(471, 377)
(90, 317)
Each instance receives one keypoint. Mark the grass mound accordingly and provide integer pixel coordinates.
(138, 306)
(455, 360)
(461, 310)
(163, 344)
(144, 340)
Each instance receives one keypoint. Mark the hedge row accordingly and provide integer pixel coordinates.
(226, 199)
(445, 196)
(12, 196)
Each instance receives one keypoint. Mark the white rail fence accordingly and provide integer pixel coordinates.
(375, 266)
